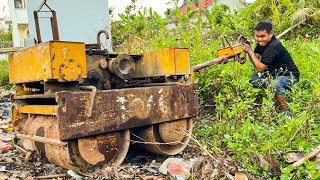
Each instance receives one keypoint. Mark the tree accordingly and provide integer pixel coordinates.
(4, 35)
(282, 13)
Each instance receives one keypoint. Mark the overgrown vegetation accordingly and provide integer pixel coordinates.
(5, 35)
(4, 74)
(237, 118)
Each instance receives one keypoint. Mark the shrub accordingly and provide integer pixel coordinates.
(4, 74)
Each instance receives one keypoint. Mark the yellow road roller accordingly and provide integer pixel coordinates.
(80, 106)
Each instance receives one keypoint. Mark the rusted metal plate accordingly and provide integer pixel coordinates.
(122, 109)
(107, 148)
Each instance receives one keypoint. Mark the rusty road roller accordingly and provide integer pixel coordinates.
(81, 107)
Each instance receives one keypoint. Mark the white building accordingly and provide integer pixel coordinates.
(78, 20)
(14, 14)
(4, 10)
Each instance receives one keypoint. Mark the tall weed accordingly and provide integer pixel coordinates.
(235, 117)
(4, 74)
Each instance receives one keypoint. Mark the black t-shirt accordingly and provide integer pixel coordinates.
(277, 59)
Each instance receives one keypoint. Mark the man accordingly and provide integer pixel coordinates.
(275, 62)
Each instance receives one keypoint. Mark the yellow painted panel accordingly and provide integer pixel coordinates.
(31, 64)
(237, 49)
(42, 62)
(61, 51)
(39, 109)
(15, 115)
(182, 61)
(162, 63)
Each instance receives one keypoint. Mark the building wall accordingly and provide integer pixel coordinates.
(4, 11)
(78, 20)
(14, 15)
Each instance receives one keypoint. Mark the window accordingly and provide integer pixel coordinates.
(19, 4)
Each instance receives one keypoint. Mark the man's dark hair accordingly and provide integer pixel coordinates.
(264, 25)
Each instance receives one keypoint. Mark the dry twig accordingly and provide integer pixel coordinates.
(313, 153)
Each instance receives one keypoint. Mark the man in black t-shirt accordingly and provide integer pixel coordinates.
(275, 62)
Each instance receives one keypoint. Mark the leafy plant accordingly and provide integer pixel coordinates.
(4, 74)
(235, 117)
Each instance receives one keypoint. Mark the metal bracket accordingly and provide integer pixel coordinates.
(53, 19)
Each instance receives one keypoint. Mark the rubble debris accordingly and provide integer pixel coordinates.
(4, 147)
(2, 168)
(176, 167)
(7, 137)
(74, 174)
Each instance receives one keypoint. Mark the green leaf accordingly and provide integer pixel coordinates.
(227, 136)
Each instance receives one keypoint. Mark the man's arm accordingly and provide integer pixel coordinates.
(255, 58)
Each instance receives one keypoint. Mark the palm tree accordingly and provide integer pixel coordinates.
(281, 12)
(307, 12)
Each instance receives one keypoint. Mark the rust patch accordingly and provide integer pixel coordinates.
(41, 146)
(122, 109)
(108, 145)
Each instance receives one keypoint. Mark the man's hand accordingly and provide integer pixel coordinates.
(246, 47)
(224, 59)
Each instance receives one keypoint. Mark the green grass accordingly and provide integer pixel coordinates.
(235, 117)
(4, 74)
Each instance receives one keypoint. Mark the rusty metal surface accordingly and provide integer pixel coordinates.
(42, 139)
(41, 133)
(52, 87)
(97, 76)
(123, 66)
(53, 20)
(54, 26)
(122, 109)
(108, 148)
(46, 127)
(172, 131)
(105, 32)
(201, 66)
(152, 139)
(37, 26)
